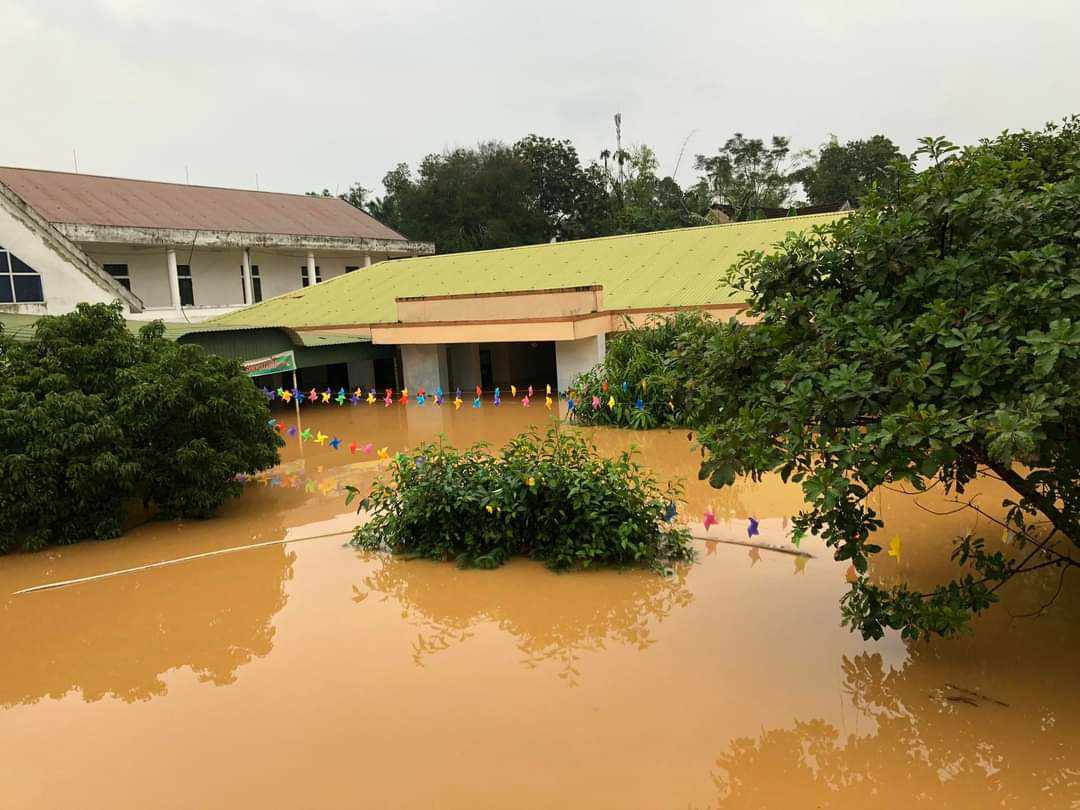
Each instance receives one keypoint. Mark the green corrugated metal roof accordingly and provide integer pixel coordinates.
(682, 267)
(21, 328)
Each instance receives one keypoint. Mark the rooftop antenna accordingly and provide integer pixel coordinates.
(257, 182)
(187, 174)
(75, 157)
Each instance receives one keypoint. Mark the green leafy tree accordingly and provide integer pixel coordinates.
(556, 180)
(357, 196)
(653, 203)
(92, 416)
(919, 343)
(535, 190)
(467, 199)
(748, 174)
(842, 173)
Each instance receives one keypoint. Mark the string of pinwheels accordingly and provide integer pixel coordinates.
(422, 397)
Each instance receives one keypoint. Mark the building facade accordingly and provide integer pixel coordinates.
(536, 315)
(172, 251)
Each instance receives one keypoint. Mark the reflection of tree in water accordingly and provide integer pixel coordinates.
(553, 617)
(938, 741)
(117, 637)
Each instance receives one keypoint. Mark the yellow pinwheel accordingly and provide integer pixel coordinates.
(384, 453)
(611, 402)
(894, 548)
(320, 438)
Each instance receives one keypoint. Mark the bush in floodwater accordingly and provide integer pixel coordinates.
(92, 414)
(636, 385)
(555, 499)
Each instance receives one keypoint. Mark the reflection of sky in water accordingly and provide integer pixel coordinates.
(414, 684)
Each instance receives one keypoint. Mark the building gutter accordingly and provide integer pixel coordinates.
(205, 238)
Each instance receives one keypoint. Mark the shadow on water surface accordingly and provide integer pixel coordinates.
(117, 638)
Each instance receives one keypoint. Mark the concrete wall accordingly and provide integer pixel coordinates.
(63, 284)
(573, 357)
(362, 373)
(424, 367)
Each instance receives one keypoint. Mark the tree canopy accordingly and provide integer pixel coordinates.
(92, 415)
(918, 342)
(535, 190)
(749, 175)
(842, 173)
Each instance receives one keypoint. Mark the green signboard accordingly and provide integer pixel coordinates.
(274, 364)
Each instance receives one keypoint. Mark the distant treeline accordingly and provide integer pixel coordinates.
(538, 189)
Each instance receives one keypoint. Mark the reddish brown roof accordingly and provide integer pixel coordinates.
(85, 199)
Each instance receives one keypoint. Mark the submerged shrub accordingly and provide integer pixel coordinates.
(636, 385)
(92, 415)
(555, 499)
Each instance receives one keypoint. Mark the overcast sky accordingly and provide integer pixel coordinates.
(313, 94)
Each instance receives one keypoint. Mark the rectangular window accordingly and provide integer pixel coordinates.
(187, 290)
(19, 282)
(350, 268)
(120, 273)
(256, 285)
(303, 275)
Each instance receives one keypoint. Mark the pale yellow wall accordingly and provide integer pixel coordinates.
(546, 304)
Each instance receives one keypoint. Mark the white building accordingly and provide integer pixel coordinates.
(173, 251)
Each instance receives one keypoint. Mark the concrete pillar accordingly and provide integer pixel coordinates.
(465, 365)
(424, 367)
(311, 269)
(367, 260)
(249, 293)
(174, 280)
(573, 357)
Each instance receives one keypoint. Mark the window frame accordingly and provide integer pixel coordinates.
(187, 290)
(123, 279)
(304, 278)
(256, 285)
(9, 273)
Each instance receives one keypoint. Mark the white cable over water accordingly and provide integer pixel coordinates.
(93, 578)
(50, 585)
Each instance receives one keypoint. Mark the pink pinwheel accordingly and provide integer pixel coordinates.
(709, 518)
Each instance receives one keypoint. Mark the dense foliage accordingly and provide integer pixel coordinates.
(538, 188)
(847, 172)
(639, 376)
(749, 175)
(92, 415)
(555, 499)
(920, 342)
(498, 195)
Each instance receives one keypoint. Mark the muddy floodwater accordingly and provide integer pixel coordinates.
(310, 675)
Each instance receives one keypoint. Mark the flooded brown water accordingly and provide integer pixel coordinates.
(311, 675)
